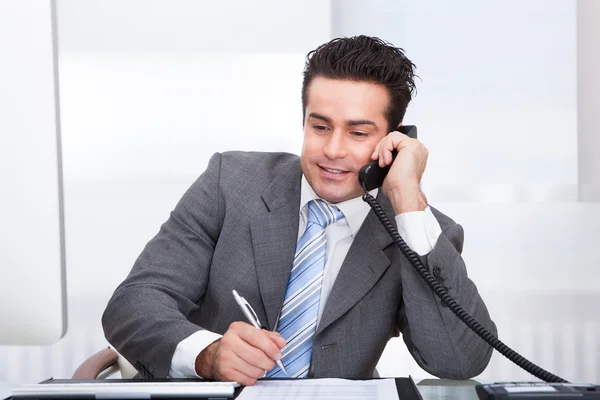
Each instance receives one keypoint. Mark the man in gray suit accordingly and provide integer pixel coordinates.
(292, 235)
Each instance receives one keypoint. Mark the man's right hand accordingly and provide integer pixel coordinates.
(242, 355)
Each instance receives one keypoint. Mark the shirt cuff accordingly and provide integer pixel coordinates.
(183, 363)
(419, 229)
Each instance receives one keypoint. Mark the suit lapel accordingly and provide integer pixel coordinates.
(274, 236)
(362, 268)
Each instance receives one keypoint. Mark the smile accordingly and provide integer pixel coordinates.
(333, 173)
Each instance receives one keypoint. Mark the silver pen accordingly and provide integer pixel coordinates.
(252, 318)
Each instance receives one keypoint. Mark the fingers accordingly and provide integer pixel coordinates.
(234, 365)
(383, 150)
(245, 353)
(386, 151)
(276, 337)
(254, 346)
(253, 355)
(259, 339)
(228, 373)
(242, 379)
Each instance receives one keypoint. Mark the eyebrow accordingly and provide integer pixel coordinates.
(351, 122)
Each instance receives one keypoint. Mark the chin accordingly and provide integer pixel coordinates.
(334, 195)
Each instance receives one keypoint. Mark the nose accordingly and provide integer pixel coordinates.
(334, 147)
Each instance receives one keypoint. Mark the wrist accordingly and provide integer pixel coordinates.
(407, 198)
(205, 360)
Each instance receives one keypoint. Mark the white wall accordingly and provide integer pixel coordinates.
(30, 171)
(497, 107)
(496, 102)
(588, 97)
(149, 90)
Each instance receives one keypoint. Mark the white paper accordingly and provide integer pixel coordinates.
(321, 389)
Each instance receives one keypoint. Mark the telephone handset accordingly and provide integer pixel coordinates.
(370, 177)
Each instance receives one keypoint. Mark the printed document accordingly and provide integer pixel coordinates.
(321, 389)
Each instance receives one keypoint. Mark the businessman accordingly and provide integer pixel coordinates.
(293, 236)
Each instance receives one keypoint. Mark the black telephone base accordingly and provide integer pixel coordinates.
(537, 391)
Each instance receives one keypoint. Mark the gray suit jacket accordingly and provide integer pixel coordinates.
(236, 228)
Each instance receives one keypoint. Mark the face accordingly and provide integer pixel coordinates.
(344, 121)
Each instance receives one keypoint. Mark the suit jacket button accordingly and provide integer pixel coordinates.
(436, 272)
(444, 303)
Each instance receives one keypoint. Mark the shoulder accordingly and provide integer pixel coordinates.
(257, 165)
(256, 158)
(244, 177)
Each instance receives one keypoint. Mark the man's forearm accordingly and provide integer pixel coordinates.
(205, 360)
(185, 357)
(140, 339)
(408, 199)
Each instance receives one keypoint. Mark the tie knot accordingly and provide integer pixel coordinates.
(323, 214)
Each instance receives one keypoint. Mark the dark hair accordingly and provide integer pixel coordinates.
(364, 59)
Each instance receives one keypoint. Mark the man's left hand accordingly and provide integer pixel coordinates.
(402, 184)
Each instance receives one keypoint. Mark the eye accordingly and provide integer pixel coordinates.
(320, 128)
(359, 134)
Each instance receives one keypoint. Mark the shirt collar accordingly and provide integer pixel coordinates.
(355, 210)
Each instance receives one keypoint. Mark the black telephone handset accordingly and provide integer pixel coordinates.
(371, 176)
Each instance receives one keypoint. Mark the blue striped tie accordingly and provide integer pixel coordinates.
(298, 318)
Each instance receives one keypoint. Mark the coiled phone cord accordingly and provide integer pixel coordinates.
(464, 316)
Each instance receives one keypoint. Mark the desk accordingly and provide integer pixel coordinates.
(446, 389)
(433, 389)
(430, 389)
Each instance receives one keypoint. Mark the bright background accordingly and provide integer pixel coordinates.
(151, 89)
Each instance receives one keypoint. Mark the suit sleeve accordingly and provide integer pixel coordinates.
(146, 317)
(441, 343)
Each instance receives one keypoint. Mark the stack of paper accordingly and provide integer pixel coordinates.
(321, 389)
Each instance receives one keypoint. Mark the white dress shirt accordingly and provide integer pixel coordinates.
(419, 229)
